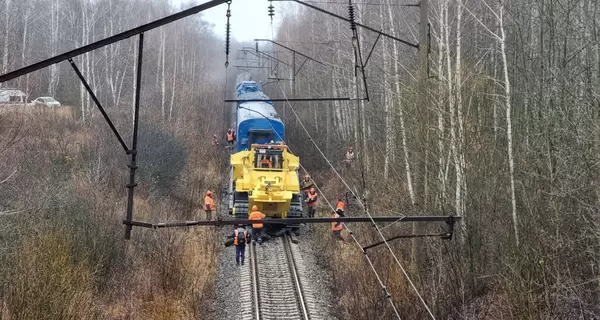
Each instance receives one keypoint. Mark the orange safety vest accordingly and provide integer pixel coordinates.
(209, 203)
(235, 238)
(267, 162)
(311, 197)
(339, 205)
(333, 224)
(229, 136)
(256, 215)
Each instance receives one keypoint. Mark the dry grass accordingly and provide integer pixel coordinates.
(65, 257)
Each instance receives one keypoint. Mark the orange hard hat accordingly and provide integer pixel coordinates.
(254, 208)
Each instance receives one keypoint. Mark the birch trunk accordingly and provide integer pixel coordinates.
(441, 109)
(6, 33)
(509, 134)
(389, 118)
(162, 66)
(173, 91)
(460, 166)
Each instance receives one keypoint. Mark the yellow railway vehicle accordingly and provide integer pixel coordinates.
(266, 176)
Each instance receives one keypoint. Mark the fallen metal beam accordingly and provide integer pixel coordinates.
(289, 221)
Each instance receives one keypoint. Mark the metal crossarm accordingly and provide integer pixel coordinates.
(289, 221)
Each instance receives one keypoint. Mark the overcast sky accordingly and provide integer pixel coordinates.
(253, 23)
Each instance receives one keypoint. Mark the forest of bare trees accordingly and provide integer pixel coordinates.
(509, 140)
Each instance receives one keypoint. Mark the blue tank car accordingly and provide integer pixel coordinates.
(257, 122)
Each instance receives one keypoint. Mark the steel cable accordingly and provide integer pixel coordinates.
(360, 202)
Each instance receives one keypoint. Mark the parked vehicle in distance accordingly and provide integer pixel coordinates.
(46, 102)
(12, 96)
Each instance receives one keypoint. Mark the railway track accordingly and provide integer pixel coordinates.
(272, 285)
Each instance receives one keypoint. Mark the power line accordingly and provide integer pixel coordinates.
(383, 286)
(362, 205)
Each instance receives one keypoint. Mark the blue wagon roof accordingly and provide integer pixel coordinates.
(248, 90)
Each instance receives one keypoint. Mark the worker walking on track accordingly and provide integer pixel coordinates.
(339, 207)
(209, 205)
(230, 137)
(256, 227)
(336, 227)
(311, 201)
(240, 239)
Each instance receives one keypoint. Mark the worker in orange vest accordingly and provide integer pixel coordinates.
(266, 163)
(209, 205)
(311, 201)
(256, 227)
(336, 227)
(339, 207)
(230, 137)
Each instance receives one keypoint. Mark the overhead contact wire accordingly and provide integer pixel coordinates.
(383, 286)
(361, 204)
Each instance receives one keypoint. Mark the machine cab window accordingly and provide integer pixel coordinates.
(266, 158)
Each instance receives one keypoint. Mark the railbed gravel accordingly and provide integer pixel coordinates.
(234, 293)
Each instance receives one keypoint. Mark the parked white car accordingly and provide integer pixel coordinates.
(46, 102)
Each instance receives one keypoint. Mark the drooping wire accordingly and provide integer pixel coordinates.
(361, 204)
(379, 278)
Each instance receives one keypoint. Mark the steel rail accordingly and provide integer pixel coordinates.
(255, 283)
(294, 271)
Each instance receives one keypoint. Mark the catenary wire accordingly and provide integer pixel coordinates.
(360, 202)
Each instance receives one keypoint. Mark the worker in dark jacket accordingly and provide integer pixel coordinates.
(240, 239)
(311, 201)
(336, 227)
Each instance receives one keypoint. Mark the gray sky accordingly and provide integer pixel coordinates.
(253, 23)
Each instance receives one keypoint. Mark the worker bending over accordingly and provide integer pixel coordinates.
(336, 227)
(311, 201)
(339, 207)
(240, 239)
(209, 205)
(305, 185)
(256, 227)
